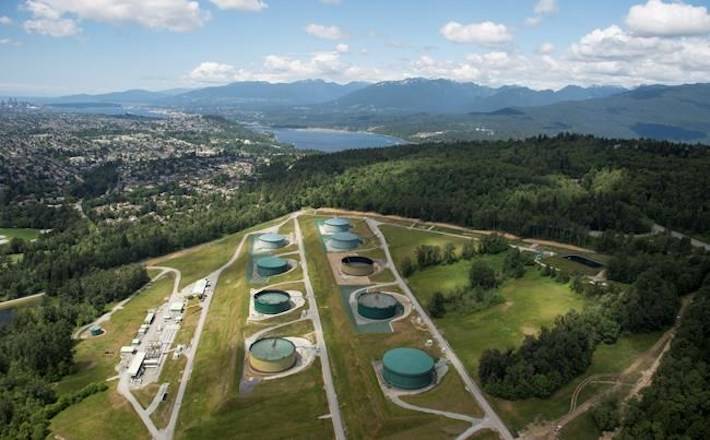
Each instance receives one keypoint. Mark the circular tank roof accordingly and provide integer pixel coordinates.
(272, 297)
(357, 260)
(345, 236)
(337, 221)
(377, 300)
(272, 238)
(271, 262)
(272, 349)
(408, 361)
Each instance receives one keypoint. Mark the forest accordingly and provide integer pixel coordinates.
(561, 188)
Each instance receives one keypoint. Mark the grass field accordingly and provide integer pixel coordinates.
(403, 241)
(366, 412)
(97, 357)
(106, 415)
(531, 302)
(23, 233)
(199, 261)
(213, 406)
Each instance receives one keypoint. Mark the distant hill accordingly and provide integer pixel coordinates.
(136, 96)
(444, 96)
(255, 93)
(678, 113)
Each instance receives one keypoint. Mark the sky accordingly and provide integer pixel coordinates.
(56, 47)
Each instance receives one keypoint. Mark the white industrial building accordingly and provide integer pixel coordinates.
(199, 288)
(134, 368)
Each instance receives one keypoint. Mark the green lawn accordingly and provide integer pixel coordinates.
(97, 357)
(366, 412)
(105, 415)
(23, 233)
(213, 406)
(200, 261)
(531, 302)
(404, 241)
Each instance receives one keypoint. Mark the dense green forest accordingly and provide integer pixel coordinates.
(558, 188)
(676, 404)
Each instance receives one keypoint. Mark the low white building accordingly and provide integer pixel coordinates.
(177, 307)
(134, 368)
(199, 288)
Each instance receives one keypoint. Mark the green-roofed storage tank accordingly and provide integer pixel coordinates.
(356, 265)
(271, 302)
(337, 224)
(272, 355)
(272, 241)
(344, 240)
(408, 368)
(377, 305)
(270, 266)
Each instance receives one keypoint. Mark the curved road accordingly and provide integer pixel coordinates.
(491, 419)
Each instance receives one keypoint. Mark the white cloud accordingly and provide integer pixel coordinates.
(534, 20)
(545, 7)
(668, 19)
(59, 17)
(242, 5)
(546, 48)
(5, 20)
(542, 8)
(484, 33)
(64, 27)
(212, 72)
(325, 32)
(342, 48)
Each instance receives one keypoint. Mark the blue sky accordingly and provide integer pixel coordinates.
(51, 47)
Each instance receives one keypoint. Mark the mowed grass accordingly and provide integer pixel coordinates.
(213, 406)
(531, 302)
(366, 411)
(105, 415)
(22, 233)
(403, 242)
(199, 261)
(97, 357)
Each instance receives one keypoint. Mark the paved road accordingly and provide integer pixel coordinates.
(213, 278)
(338, 426)
(658, 229)
(491, 419)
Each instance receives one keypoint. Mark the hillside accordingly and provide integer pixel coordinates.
(445, 96)
(250, 93)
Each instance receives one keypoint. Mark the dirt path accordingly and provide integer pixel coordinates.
(651, 357)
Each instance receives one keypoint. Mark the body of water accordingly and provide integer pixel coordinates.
(332, 140)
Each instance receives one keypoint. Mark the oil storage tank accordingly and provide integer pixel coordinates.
(272, 302)
(377, 305)
(272, 355)
(271, 241)
(337, 224)
(270, 266)
(344, 241)
(96, 330)
(408, 368)
(356, 265)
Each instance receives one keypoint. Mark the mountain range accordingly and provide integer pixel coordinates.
(407, 96)
(417, 106)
